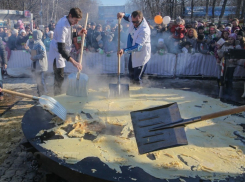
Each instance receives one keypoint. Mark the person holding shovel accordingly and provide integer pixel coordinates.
(138, 45)
(60, 46)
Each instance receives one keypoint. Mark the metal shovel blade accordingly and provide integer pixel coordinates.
(77, 85)
(118, 90)
(145, 120)
(53, 106)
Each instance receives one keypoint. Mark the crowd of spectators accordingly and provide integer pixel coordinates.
(176, 37)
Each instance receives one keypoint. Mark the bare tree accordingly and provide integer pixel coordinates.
(207, 3)
(182, 7)
(192, 7)
(238, 7)
(213, 8)
(243, 11)
(222, 11)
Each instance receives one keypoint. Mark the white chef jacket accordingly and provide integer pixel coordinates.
(142, 36)
(62, 34)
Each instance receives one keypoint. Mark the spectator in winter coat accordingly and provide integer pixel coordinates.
(5, 35)
(200, 30)
(213, 33)
(241, 38)
(40, 62)
(202, 46)
(178, 29)
(186, 47)
(235, 25)
(45, 34)
(12, 40)
(21, 40)
(3, 64)
(110, 45)
(191, 37)
(97, 36)
(221, 28)
(161, 47)
(225, 34)
(30, 42)
(90, 35)
(48, 40)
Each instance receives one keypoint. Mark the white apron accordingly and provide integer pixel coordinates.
(141, 36)
(62, 34)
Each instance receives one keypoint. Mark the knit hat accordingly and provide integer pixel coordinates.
(22, 31)
(240, 33)
(200, 28)
(50, 32)
(178, 19)
(14, 31)
(93, 24)
(200, 25)
(233, 35)
(227, 29)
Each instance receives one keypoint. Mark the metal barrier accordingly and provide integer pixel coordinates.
(184, 64)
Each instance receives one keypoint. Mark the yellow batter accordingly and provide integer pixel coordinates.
(208, 154)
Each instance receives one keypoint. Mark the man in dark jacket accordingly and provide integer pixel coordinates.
(235, 25)
(12, 40)
(90, 35)
(3, 64)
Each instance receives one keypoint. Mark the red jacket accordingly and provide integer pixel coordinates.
(178, 31)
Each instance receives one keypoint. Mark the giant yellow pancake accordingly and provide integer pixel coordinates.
(212, 150)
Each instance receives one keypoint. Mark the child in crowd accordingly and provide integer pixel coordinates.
(161, 47)
(101, 47)
(110, 46)
(186, 47)
(178, 29)
(40, 62)
(30, 42)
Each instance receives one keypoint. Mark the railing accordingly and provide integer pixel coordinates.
(183, 64)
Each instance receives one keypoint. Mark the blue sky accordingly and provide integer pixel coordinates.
(112, 2)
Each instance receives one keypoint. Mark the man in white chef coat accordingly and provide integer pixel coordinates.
(138, 44)
(60, 46)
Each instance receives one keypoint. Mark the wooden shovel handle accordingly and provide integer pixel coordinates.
(200, 118)
(83, 38)
(20, 94)
(223, 113)
(119, 37)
